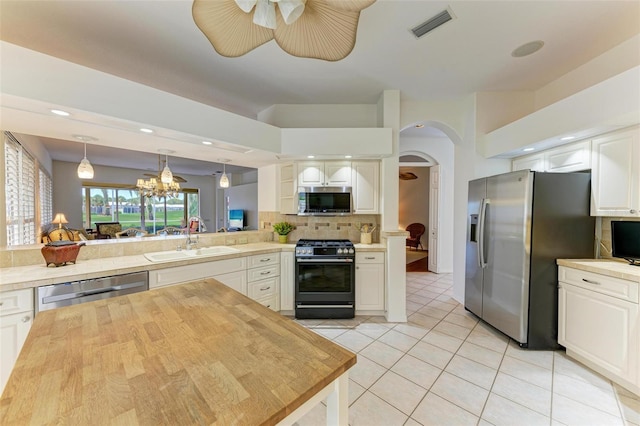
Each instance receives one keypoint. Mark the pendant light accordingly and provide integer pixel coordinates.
(85, 169)
(166, 176)
(224, 180)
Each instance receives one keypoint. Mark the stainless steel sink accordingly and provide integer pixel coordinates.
(172, 255)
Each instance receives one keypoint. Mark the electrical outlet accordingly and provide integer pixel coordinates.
(231, 241)
(243, 240)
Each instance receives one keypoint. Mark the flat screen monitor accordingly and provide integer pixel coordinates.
(625, 240)
(236, 220)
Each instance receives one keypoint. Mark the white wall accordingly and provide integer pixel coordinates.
(320, 115)
(243, 197)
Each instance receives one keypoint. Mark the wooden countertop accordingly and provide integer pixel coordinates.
(192, 353)
(609, 267)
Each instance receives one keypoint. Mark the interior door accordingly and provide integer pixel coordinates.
(434, 221)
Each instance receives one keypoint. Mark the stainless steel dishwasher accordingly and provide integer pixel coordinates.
(75, 292)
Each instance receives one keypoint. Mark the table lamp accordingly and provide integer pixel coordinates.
(59, 219)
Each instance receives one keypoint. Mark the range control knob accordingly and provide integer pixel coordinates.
(351, 251)
(339, 251)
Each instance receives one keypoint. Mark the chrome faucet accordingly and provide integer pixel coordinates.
(191, 243)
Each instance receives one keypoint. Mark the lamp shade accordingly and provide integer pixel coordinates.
(85, 169)
(291, 10)
(224, 181)
(60, 219)
(265, 14)
(167, 176)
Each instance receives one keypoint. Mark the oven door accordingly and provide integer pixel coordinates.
(325, 280)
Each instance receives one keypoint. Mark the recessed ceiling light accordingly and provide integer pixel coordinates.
(145, 130)
(207, 143)
(567, 138)
(60, 112)
(347, 156)
(419, 126)
(527, 49)
(528, 149)
(311, 156)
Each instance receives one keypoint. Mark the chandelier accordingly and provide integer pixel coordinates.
(320, 29)
(156, 188)
(164, 184)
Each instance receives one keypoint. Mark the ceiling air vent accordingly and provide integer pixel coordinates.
(432, 24)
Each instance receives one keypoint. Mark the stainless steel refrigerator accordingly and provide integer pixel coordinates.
(518, 224)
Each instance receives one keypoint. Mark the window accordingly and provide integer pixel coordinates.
(23, 180)
(122, 203)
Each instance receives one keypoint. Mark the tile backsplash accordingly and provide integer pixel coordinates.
(317, 227)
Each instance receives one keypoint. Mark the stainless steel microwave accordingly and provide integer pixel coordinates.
(324, 201)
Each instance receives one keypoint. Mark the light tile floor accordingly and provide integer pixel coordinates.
(443, 367)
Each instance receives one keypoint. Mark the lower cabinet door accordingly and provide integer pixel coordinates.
(370, 287)
(235, 280)
(599, 328)
(13, 332)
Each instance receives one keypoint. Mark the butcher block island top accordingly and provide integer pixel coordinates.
(195, 353)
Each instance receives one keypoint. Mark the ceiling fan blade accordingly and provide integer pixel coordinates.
(179, 179)
(408, 176)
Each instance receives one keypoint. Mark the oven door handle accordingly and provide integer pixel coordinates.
(324, 260)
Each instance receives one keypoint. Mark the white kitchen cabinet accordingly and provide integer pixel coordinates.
(180, 274)
(598, 324)
(287, 282)
(370, 282)
(365, 177)
(288, 188)
(563, 159)
(573, 157)
(16, 317)
(263, 279)
(534, 162)
(615, 174)
(324, 173)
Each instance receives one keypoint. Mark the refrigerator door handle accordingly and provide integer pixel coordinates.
(482, 261)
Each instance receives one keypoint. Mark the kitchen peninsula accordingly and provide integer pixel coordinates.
(191, 353)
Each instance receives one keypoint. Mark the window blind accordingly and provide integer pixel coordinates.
(20, 180)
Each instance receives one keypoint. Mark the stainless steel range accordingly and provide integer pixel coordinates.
(325, 279)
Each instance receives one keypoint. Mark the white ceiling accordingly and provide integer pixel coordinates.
(156, 43)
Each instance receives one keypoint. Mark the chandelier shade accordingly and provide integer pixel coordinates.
(319, 29)
(224, 179)
(85, 169)
(166, 176)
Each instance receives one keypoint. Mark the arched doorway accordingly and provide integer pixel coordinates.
(430, 155)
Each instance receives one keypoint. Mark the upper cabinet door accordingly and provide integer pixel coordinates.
(337, 173)
(534, 162)
(311, 173)
(569, 158)
(366, 187)
(324, 173)
(615, 174)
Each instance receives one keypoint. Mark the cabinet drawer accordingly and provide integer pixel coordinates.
(16, 301)
(616, 287)
(262, 273)
(263, 260)
(370, 257)
(260, 289)
(180, 274)
(270, 302)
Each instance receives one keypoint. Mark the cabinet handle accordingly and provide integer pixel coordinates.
(268, 306)
(590, 282)
(265, 272)
(26, 319)
(265, 259)
(370, 258)
(1, 303)
(265, 288)
(632, 211)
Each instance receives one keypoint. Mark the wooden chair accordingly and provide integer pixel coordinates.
(416, 230)
(171, 230)
(131, 232)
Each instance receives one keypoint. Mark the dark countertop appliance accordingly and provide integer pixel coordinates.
(325, 279)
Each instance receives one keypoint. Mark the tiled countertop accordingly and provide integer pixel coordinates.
(39, 275)
(609, 267)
